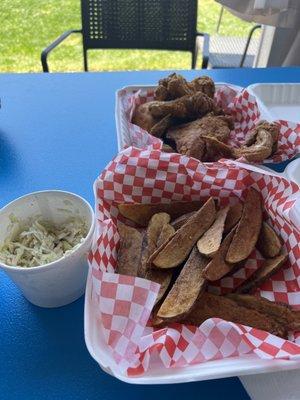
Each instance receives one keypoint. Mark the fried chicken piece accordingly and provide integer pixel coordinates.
(175, 86)
(167, 149)
(161, 126)
(259, 151)
(215, 149)
(186, 107)
(143, 118)
(178, 86)
(161, 92)
(205, 85)
(213, 306)
(187, 136)
(189, 144)
(261, 143)
(272, 128)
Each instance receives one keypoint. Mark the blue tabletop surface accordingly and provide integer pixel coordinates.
(57, 131)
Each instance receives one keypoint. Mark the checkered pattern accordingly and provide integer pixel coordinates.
(241, 105)
(125, 303)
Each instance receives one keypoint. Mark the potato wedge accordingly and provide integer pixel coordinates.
(153, 232)
(268, 242)
(178, 222)
(142, 213)
(218, 267)
(282, 312)
(186, 288)
(210, 242)
(269, 267)
(248, 228)
(233, 216)
(157, 222)
(129, 254)
(210, 305)
(182, 242)
(166, 232)
(161, 276)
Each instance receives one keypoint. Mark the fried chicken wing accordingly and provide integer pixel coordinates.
(143, 118)
(175, 86)
(205, 85)
(186, 108)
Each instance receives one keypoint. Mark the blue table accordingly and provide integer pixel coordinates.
(57, 131)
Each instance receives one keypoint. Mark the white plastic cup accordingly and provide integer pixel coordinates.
(63, 281)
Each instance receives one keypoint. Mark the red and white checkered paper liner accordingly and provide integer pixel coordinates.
(125, 303)
(240, 104)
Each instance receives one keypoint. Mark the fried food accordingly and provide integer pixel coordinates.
(150, 242)
(163, 277)
(142, 213)
(175, 86)
(218, 267)
(215, 149)
(269, 267)
(187, 107)
(161, 126)
(167, 149)
(187, 137)
(129, 254)
(217, 126)
(260, 150)
(186, 288)
(268, 242)
(212, 306)
(272, 128)
(283, 313)
(259, 146)
(143, 118)
(166, 232)
(178, 222)
(233, 216)
(210, 242)
(188, 143)
(156, 224)
(182, 242)
(248, 228)
(205, 85)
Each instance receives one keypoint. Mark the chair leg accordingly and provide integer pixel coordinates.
(248, 44)
(194, 57)
(85, 61)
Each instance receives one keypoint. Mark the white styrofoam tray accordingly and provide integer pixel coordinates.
(277, 100)
(234, 366)
(100, 351)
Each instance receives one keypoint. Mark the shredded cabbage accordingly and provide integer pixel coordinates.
(39, 242)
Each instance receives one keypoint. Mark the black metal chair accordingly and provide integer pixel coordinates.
(137, 24)
(233, 52)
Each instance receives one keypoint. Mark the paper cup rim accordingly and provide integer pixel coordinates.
(71, 254)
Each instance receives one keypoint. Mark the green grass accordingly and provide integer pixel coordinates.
(27, 26)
